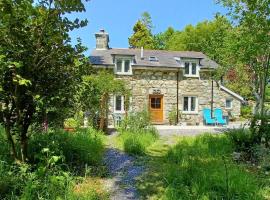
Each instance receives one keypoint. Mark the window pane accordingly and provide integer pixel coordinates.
(153, 102)
(185, 103)
(186, 68)
(228, 103)
(194, 68)
(119, 66)
(127, 65)
(118, 103)
(193, 103)
(158, 103)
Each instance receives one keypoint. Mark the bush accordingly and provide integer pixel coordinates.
(137, 133)
(82, 147)
(246, 111)
(52, 157)
(241, 139)
(196, 169)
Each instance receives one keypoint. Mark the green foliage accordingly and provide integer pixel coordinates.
(141, 37)
(137, 133)
(94, 93)
(56, 157)
(137, 143)
(241, 139)
(82, 147)
(195, 169)
(173, 116)
(246, 111)
(40, 69)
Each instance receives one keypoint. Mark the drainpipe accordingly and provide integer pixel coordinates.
(212, 97)
(177, 97)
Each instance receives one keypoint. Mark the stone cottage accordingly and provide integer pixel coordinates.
(163, 81)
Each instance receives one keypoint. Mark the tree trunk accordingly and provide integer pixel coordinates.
(10, 139)
(24, 144)
(102, 112)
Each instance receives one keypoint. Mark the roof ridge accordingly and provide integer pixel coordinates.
(136, 49)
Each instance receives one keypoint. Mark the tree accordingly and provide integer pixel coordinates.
(161, 39)
(147, 21)
(250, 42)
(39, 67)
(141, 37)
(96, 90)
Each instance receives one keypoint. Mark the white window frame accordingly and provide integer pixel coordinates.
(190, 68)
(123, 59)
(189, 105)
(229, 108)
(122, 104)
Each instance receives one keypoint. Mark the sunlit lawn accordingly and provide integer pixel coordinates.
(195, 168)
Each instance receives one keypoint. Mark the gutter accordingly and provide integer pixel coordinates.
(232, 93)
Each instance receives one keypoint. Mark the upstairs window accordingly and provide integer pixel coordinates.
(123, 66)
(191, 69)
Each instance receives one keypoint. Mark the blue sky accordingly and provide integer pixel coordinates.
(118, 17)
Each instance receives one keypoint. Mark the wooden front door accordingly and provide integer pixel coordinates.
(156, 108)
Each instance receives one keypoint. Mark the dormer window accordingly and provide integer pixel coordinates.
(191, 68)
(123, 66)
(153, 59)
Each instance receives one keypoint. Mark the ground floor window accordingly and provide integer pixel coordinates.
(190, 104)
(119, 103)
(228, 104)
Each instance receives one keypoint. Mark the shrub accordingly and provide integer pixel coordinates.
(173, 116)
(246, 111)
(82, 147)
(52, 157)
(241, 139)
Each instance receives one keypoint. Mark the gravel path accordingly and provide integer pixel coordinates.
(124, 172)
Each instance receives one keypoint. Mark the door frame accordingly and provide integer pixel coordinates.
(161, 107)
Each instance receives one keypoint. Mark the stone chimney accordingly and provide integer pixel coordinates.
(102, 40)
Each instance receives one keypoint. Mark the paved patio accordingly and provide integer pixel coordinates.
(166, 130)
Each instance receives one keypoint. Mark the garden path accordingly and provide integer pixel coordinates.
(123, 172)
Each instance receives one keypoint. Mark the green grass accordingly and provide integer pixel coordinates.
(63, 166)
(136, 143)
(195, 168)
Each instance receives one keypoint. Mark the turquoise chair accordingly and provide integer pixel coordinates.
(219, 117)
(208, 120)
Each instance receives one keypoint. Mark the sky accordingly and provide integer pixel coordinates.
(118, 17)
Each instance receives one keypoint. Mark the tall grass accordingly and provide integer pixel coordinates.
(137, 133)
(201, 168)
(58, 160)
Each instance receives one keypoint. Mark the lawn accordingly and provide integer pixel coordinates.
(199, 168)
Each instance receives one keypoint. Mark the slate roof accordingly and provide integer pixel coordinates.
(165, 58)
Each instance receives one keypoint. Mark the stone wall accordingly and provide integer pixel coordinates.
(143, 83)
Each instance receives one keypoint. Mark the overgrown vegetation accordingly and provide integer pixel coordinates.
(61, 167)
(200, 167)
(137, 133)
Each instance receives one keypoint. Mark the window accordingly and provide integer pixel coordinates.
(153, 59)
(190, 104)
(156, 103)
(228, 104)
(186, 68)
(123, 66)
(191, 69)
(119, 103)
